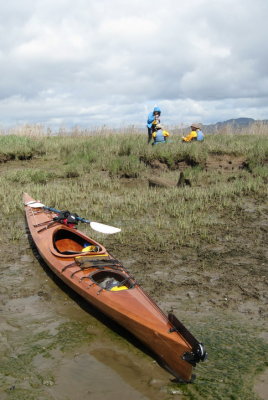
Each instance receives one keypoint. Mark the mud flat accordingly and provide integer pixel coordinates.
(53, 345)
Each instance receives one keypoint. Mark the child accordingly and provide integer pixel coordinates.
(195, 134)
(160, 135)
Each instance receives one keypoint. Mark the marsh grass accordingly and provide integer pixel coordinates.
(125, 166)
(153, 220)
(173, 153)
(15, 232)
(28, 175)
(94, 166)
(15, 147)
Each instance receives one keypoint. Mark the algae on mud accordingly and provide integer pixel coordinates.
(49, 337)
(198, 250)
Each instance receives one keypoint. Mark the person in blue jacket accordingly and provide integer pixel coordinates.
(152, 121)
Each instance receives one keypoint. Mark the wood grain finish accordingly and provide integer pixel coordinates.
(61, 248)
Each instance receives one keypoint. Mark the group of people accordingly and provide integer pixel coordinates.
(157, 134)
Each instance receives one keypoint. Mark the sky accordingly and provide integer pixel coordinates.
(91, 63)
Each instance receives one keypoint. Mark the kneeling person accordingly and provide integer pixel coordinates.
(160, 135)
(195, 134)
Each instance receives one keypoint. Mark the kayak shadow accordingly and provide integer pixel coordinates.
(92, 310)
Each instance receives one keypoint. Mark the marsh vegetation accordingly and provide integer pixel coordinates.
(199, 249)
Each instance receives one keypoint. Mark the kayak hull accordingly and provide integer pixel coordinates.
(87, 267)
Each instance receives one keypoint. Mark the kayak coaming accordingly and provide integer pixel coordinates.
(132, 308)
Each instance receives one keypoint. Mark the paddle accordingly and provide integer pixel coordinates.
(97, 226)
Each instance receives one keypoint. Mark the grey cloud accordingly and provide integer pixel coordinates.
(110, 61)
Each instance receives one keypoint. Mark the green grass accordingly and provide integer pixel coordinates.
(19, 147)
(235, 355)
(84, 175)
(28, 175)
(94, 165)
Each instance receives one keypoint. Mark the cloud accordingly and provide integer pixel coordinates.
(108, 62)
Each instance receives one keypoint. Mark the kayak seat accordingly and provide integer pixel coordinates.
(67, 242)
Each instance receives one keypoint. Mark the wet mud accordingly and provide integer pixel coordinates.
(55, 346)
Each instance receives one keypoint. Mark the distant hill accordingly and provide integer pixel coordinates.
(235, 123)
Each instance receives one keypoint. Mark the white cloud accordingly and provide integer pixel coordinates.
(109, 62)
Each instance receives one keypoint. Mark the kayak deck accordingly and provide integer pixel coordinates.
(87, 267)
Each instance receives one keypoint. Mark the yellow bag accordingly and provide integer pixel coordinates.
(89, 248)
(117, 288)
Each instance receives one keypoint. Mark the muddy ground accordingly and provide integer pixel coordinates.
(54, 346)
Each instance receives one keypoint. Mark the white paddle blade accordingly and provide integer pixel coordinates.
(35, 204)
(104, 228)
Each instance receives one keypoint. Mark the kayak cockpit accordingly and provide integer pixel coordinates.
(67, 242)
(111, 280)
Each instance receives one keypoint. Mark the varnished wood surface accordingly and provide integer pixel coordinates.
(131, 308)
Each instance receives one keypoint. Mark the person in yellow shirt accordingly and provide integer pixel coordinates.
(160, 135)
(195, 134)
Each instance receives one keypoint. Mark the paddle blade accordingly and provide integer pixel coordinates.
(104, 228)
(34, 204)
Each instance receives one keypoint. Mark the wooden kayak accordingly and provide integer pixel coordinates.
(91, 271)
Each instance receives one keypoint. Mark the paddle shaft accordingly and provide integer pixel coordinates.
(96, 226)
(58, 212)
